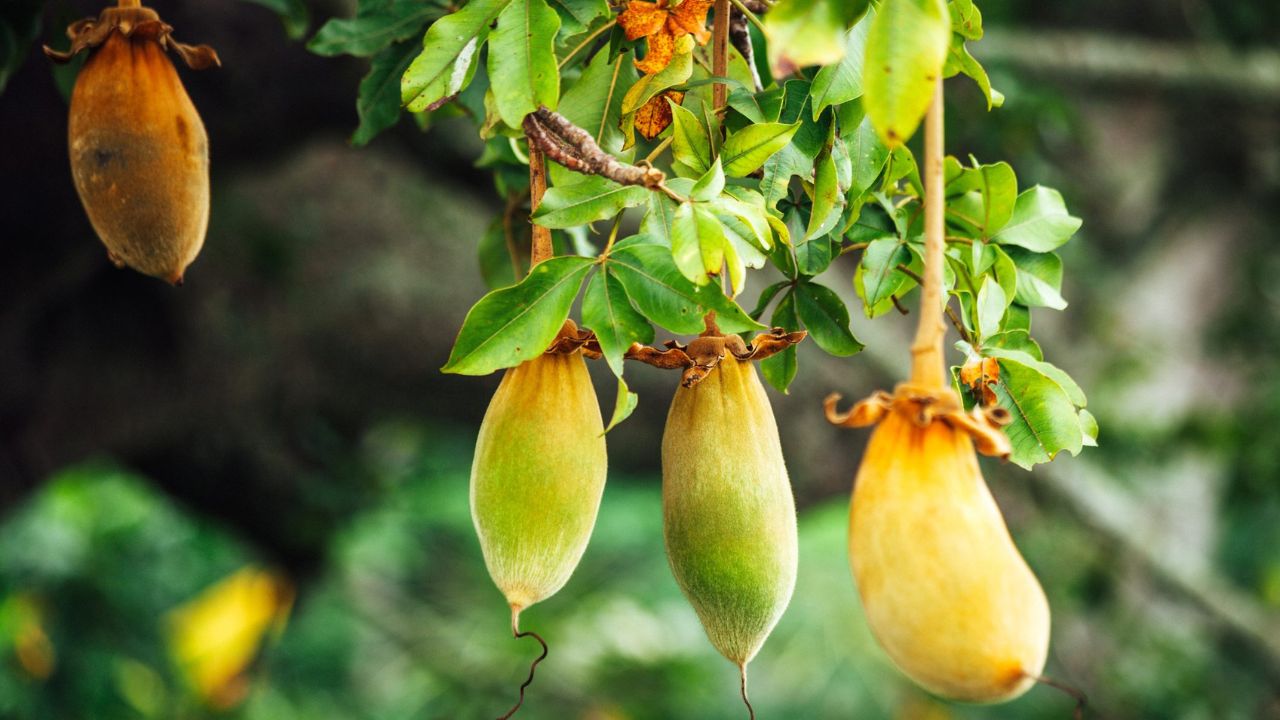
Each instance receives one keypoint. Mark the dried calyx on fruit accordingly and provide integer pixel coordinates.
(729, 518)
(139, 152)
(538, 474)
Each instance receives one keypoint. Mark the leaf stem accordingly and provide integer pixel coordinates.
(661, 148)
(589, 39)
(927, 367)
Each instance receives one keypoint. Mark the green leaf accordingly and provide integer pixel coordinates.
(867, 153)
(1014, 340)
(591, 199)
(710, 185)
(662, 294)
(292, 12)
(826, 318)
(375, 26)
(378, 101)
(905, 53)
(616, 323)
(689, 141)
(1039, 278)
(1039, 222)
(801, 33)
(991, 306)
(766, 296)
(448, 50)
(985, 209)
(514, 324)
(966, 20)
(746, 150)
(1049, 370)
(648, 87)
(1044, 420)
(778, 171)
(780, 369)
(879, 276)
(960, 61)
(577, 15)
(828, 200)
(1089, 428)
(659, 218)
(697, 243)
(839, 83)
(624, 405)
(522, 60)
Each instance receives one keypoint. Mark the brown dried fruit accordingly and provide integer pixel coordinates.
(139, 152)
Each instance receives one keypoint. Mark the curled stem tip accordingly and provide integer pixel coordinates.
(742, 674)
(1074, 693)
(515, 632)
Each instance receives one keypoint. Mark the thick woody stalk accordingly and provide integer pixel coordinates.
(928, 366)
(542, 248)
(720, 50)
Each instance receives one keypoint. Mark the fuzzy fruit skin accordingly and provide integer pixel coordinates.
(728, 515)
(944, 589)
(140, 157)
(538, 476)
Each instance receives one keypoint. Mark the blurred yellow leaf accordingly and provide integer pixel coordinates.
(980, 375)
(24, 617)
(216, 635)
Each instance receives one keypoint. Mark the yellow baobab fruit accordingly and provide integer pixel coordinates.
(945, 591)
(139, 152)
(538, 475)
(728, 515)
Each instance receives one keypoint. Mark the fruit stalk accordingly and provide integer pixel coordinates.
(928, 367)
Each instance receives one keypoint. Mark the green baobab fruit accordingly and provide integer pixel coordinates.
(945, 591)
(538, 475)
(139, 152)
(728, 515)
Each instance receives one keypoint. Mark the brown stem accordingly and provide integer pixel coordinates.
(553, 134)
(927, 367)
(515, 631)
(720, 48)
(542, 248)
(742, 673)
(1074, 693)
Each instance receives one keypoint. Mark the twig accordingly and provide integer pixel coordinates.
(657, 151)
(542, 249)
(749, 14)
(959, 326)
(720, 49)
(902, 309)
(910, 273)
(574, 148)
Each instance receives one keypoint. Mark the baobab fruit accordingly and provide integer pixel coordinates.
(729, 519)
(945, 591)
(139, 152)
(538, 474)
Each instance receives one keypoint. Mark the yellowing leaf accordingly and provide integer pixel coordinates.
(654, 116)
(216, 635)
(663, 26)
(979, 375)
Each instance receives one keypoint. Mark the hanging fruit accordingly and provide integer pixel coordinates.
(729, 518)
(945, 591)
(539, 473)
(139, 152)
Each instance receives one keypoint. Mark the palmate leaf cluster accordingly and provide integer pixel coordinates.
(793, 175)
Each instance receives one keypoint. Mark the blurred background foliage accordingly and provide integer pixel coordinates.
(247, 498)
